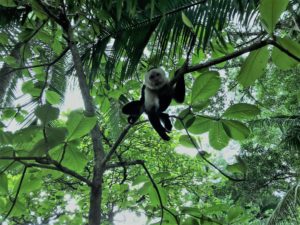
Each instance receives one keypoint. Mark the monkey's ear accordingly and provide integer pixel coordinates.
(133, 108)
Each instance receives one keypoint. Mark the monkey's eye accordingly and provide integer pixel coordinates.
(157, 74)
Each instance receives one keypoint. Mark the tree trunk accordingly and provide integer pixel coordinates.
(96, 189)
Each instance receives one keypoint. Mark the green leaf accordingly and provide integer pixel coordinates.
(57, 47)
(11, 61)
(186, 21)
(8, 113)
(191, 211)
(52, 97)
(218, 138)
(200, 125)
(29, 88)
(140, 179)
(79, 125)
(31, 182)
(205, 86)
(281, 59)
(253, 67)
(4, 39)
(47, 113)
(235, 129)
(186, 141)
(3, 184)
(74, 159)
(234, 212)
(7, 3)
(270, 11)
(241, 111)
(185, 115)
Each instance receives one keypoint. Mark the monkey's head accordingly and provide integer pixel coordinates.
(155, 78)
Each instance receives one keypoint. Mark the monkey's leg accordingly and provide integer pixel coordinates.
(166, 121)
(155, 122)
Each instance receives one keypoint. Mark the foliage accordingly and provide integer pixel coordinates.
(240, 59)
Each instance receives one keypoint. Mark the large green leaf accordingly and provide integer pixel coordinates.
(218, 138)
(281, 59)
(54, 137)
(233, 213)
(7, 3)
(235, 129)
(200, 125)
(3, 184)
(31, 182)
(270, 11)
(205, 86)
(79, 125)
(47, 113)
(253, 67)
(52, 97)
(241, 111)
(185, 116)
(192, 211)
(29, 88)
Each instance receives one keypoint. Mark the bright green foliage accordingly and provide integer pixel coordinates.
(218, 138)
(79, 125)
(253, 67)
(281, 59)
(200, 125)
(270, 11)
(241, 111)
(235, 129)
(52, 97)
(205, 86)
(49, 159)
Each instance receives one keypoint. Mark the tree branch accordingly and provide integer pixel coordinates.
(16, 196)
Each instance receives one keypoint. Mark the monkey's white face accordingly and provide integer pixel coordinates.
(155, 78)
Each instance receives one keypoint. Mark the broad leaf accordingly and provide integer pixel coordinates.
(235, 129)
(7, 3)
(253, 67)
(270, 11)
(47, 113)
(79, 125)
(200, 125)
(205, 86)
(3, 184)
(218, 138)
(52, 97)
(280, 58)
(233, 213)
(241, 111)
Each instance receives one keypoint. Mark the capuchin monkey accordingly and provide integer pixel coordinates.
(156, 97)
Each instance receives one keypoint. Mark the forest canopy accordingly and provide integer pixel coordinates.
(234, 153)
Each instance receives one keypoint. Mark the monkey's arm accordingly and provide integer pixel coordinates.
(179, 90)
